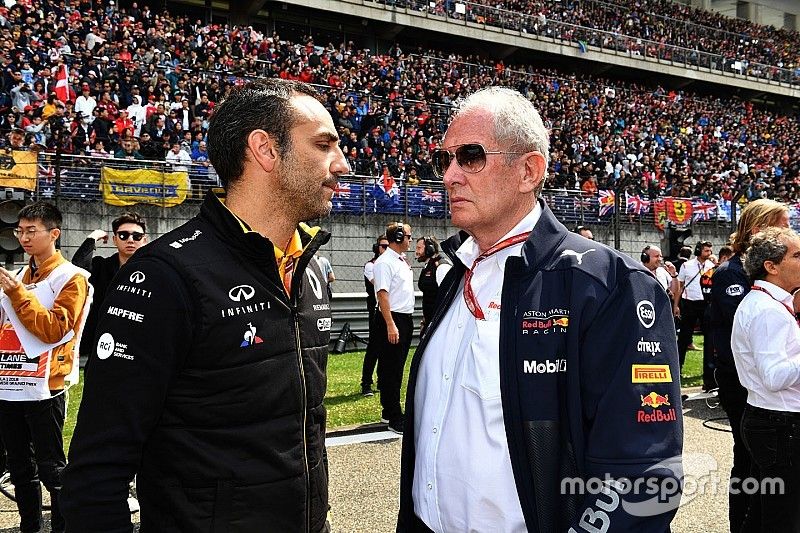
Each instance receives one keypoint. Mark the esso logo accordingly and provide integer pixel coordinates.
(105, 346)
(137, 277)
(646, 313)
(241, 292)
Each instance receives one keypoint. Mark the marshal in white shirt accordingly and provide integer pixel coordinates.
(462, 474)
(766, 349)
(393, 274)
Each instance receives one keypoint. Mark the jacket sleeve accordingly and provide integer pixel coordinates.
(141, 344)
(631, 401)
(83, 255)
(50, 325)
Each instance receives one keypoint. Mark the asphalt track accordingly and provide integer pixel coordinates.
(364, 477)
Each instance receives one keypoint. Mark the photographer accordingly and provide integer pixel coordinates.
(22, 95)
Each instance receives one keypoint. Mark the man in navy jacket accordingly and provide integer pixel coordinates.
(545, 396)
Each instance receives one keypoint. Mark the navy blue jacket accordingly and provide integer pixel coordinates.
(589, 380)
(729, 289)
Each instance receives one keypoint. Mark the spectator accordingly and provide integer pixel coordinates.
(128, 151)
(178, 159)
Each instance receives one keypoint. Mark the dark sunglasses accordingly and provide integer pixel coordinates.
(384, 246)
(470, 157)
(124, 235)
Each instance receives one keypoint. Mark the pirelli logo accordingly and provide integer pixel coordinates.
(650, 374)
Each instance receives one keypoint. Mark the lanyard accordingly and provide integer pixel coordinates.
(765, 291)
(469, 295)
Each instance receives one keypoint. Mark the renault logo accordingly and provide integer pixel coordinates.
(137, 277)
(241, 292)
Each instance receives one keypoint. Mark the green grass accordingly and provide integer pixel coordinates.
(345, 405)
(692, 373)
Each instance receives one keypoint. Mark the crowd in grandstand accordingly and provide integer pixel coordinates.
(142, 85)
(653, 28)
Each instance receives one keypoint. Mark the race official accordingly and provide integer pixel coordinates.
(44, 309)
(435, 269)
(371, 355)
(766, 349)
(551, 357)
(664, 272)
(729, 288)
(209, 372)
(394, 289)
(689, 302)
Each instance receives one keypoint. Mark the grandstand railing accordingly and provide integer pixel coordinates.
(540, 28)
(79, 178)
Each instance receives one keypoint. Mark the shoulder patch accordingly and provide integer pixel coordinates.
(734, 290)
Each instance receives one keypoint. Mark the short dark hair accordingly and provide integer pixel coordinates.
(131, 217)
(263, 104)
(766, 245)
(44, 211)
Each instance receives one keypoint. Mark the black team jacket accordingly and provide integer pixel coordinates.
(206, 382)
(590, 386)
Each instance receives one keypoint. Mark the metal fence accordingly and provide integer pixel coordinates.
(362, 207)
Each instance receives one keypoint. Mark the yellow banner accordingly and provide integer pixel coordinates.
(143, 186)
(18, 169)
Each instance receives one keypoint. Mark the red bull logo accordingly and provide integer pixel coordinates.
(563, 321)
(654, 400)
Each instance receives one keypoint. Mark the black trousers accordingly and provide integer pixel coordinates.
(32, 434)
(691, 313)
(392, 362)
(371, 355)
(733, 398)
(773, 440)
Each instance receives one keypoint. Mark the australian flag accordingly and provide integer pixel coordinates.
(347, 198)
(432, 203)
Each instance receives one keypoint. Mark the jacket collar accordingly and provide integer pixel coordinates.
(250, 243)
(544, 240)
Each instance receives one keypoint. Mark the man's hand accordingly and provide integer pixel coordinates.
(99, 234)
(670, 268)
(7, 280)
(676, 310)
(393, 333)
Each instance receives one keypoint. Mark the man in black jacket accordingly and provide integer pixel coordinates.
(129, 234)
(730, 286)
(550, 364)
(208, 374)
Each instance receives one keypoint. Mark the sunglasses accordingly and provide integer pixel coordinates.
(471, 157)
(384, 246)
(125, 235)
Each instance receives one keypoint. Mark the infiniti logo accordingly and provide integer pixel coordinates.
(137, 277)
(241, 292)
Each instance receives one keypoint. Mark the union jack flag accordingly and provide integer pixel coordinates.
(606, 200)
(636, 204)
(431, 196)
(703, 210)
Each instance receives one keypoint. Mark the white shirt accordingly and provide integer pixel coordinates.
(441, 272)
(690, 274)
(177, 160)
(393, 274)
(766, 349)
(369, 271)
(664, 278)
(462, 472)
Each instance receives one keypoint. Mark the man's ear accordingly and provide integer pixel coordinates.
(263, 149)
(535, 168)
